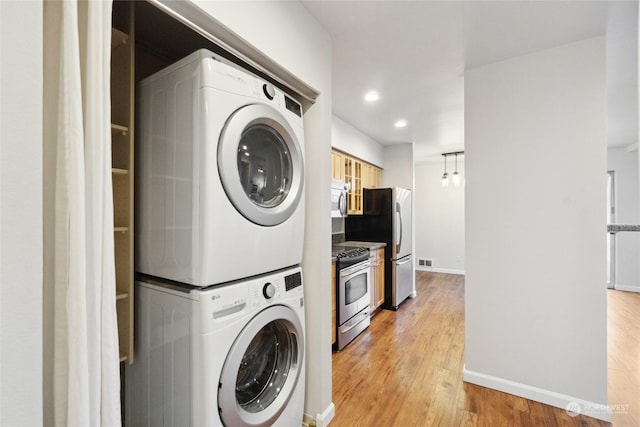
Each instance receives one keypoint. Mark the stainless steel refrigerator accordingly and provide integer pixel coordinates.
(387, 218)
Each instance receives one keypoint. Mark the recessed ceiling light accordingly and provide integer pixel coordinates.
(400, 123)
(371, 96)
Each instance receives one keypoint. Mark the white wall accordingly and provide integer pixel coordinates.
(625, 166)
(439, 224)
(346, 138)
(398, 166)
(398, 172)
(21, 213)
(535, 219)
(301, 46)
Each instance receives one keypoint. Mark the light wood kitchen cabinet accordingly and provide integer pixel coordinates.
(337, 165)
(377, 278)
(122, 157)
(333, 302)
(371, 177)
(353, 175)
(358, 174)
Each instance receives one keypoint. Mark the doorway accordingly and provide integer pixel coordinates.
(611, 237)
(623, 210)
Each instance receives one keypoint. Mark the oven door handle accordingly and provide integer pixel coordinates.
(351, 270)
(360, 317)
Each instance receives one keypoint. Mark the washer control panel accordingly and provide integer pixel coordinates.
(225, 303)
(272, 289)
(266, 291)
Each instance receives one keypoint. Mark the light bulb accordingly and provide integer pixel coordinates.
(371, 96)
(445, 180)
(456, 179)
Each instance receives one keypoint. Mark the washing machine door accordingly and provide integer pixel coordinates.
(262, 369)
(261, 164)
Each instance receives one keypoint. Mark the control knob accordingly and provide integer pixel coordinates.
(268, 290)
(269, 91)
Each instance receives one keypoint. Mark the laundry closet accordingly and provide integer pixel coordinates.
(208, 172)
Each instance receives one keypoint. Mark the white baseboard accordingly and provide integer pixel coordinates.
(562, 401)
(325, 418)
(441, 270)
(619, 287)
(321, 420)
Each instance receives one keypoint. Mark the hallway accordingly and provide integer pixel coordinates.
(406, 369)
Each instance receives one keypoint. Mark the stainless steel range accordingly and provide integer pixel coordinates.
(353, 286)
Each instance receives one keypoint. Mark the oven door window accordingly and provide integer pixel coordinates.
(355, 288)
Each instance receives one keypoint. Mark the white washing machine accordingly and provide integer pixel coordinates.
(220, 174)
(229, 355)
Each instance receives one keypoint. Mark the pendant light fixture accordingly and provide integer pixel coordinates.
(455, 177)
(445, 175)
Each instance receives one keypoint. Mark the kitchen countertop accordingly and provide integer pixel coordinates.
(614, 228)
(369, 245)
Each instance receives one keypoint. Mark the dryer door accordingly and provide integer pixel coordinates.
(261, 164)
(262, 369)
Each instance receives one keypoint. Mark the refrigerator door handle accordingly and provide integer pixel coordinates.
(405, 261)
(399, 237)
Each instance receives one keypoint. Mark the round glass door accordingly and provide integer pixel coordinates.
(260, 164)
(264, 165)
(262, 369)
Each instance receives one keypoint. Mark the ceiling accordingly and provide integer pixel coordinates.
(414, 53)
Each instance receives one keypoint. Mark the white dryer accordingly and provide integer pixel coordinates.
(229, 355)
(220, 174)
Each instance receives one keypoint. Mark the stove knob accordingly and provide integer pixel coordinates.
(269, 91)
(268, 290)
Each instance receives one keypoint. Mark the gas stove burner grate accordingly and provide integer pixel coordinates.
(351, 252)
(348, 255)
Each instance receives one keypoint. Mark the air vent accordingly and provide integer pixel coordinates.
(422, 262)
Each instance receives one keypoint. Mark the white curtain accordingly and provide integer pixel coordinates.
(82, 372)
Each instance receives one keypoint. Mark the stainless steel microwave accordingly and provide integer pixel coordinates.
(339, 198)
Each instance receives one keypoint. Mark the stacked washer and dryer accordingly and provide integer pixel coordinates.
(220, 225)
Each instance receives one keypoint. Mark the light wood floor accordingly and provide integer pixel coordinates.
(406, 370)
(623, 340)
